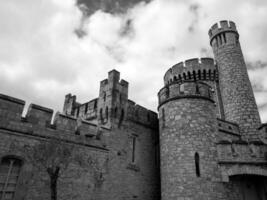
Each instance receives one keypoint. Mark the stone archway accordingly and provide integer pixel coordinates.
(251, 187)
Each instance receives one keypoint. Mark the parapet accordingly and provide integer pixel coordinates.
(192, 69)
(38, 122)
(186, 89)
(222, 26)
(141, 115)
(241, 152)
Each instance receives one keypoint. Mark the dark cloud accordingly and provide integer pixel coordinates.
(109, 6)
(114, 7)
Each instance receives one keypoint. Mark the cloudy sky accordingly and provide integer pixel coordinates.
(49, 48)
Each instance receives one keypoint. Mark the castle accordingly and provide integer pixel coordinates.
(207, 142)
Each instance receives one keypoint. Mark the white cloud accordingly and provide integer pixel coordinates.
(41, 59)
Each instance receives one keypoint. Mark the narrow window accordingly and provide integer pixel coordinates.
(216, 42)
(197, 89)
(101, 115)
(197, 164)
(224, 37)
(106, 112)
(78, 112)
(163, 118)
(199, 74)
(167, 92)
(133, 148)
(104, 96)
(86, 108)
(95, 105)
(219, 39)
(121, 117)
(9, 174)
(184, 75)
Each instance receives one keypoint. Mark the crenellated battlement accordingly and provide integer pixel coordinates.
(192, 69)
(186, 89)
(38, 122)
(222, 26)
(141, 115)
(242, 152)
(224, 32)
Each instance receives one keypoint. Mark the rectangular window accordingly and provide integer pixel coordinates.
(9, 173)
(133, 148)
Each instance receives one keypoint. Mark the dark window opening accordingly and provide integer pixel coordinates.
(163, 117)
(184, 76)
(199, 74)
(197, 164)
(9, 173)
(101, 115)
(121, 117)
(106, 112)
(104, 96)
(224, 37)
(86, 108)
(167, 93)
(78, 112)
(133, 148)
(95, 105)
(197, 89)
(115, 112)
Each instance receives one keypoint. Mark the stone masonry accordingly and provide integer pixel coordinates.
(206, 143)
(212, 143)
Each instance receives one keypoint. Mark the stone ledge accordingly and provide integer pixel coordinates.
(242, 162)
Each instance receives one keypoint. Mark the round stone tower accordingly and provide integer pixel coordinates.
(237, 96)
(187, 140)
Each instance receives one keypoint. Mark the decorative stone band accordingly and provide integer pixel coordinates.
(193, 69)
(187, 89)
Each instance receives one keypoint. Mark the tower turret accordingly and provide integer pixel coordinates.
(239, 104)
(112, 101)
(187, 118)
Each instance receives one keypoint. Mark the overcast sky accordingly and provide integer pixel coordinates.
(49, 48)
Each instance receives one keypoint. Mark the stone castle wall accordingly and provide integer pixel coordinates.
(113, 149)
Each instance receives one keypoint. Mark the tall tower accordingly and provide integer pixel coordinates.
(113, 96)
(187, 116)
(236, 91)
